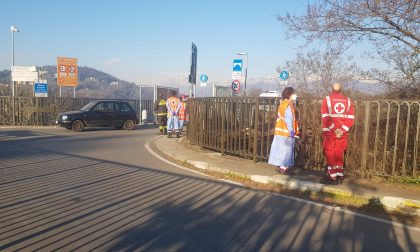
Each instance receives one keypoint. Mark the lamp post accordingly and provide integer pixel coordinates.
(246, 68)
(13, 29)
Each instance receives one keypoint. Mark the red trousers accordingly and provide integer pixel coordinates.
(334, 149)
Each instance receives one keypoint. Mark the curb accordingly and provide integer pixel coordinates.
(390, 203)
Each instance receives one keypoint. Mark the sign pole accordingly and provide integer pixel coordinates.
(74, 92)
(13, 62)
(191, 90)
(60, 91)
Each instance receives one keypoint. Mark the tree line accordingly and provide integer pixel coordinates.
(390, 29)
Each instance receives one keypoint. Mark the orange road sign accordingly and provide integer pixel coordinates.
(67, 72)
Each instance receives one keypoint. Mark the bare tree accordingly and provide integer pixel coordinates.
(254, 92)
(392, 26)
(314, 72)
(402, 73)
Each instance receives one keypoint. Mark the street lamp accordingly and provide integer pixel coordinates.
(246, 68)
(13, 29)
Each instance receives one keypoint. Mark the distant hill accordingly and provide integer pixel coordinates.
(92, 83)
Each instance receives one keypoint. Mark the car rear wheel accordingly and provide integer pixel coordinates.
(77, 126)
(129, 124)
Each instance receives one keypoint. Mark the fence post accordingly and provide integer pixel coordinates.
(13, 110)
(365, 140)
(222, 137)
(255, 144)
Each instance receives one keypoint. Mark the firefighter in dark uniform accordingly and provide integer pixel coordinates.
(162, 112)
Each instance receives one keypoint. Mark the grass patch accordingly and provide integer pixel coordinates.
(410, 180)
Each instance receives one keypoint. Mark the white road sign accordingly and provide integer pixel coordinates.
(236, 75)
(21, 73)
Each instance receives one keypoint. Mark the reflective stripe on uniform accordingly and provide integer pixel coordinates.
(279, 117)
(348, 104)
(328, 104)
(329, 128)
(162, 114)
(282, 130)
(338, 115)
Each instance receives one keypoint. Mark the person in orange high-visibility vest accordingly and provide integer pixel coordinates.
(282, 153)
(337, 118)
(182, 113)
(173, 104)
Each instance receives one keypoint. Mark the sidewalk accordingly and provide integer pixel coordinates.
(391, 196)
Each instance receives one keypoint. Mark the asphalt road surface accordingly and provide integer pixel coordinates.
(102, 190)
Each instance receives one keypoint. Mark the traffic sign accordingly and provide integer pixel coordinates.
(236, 75)
(41, 89)
(204, 78)
(67, 74)
(284, 75)
(20, 73)
(237, 65)
(236, 86)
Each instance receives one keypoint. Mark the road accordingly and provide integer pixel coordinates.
(102, 190)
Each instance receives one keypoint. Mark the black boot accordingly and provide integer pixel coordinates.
(169, 134)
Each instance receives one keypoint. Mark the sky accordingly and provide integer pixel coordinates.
(149, 42)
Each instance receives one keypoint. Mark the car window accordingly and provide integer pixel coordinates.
(105, 107)
(88, 106)
(123, 107)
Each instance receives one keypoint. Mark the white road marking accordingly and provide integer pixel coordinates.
(147, 145)
(179, 166)
(333, 208)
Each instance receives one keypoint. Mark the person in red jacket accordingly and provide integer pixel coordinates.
(337, 118)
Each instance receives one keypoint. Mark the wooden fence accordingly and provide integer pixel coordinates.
(383, 142)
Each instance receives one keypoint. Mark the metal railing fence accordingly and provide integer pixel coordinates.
(384, 140)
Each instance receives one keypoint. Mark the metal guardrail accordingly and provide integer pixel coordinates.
(39, 111)
(383, 142)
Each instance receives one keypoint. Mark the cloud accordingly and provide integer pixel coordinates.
(112, 62)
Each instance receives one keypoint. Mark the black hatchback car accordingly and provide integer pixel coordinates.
(102, 113)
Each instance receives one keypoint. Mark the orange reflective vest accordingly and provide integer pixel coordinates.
(182, 114)
(281, 127)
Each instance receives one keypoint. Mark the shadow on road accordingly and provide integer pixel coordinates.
(57, 201)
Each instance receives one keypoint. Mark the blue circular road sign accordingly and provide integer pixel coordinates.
(284, 75)
(204, 78)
